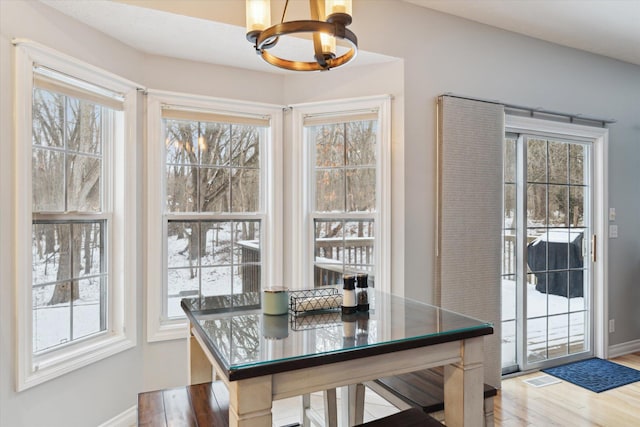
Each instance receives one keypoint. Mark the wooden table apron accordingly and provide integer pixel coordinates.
(250, 399)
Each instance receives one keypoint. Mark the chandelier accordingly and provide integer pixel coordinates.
(329, 21)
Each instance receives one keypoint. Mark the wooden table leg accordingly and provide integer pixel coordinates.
(463, 387)
(200, 369)
(250, 402)
(352, 404)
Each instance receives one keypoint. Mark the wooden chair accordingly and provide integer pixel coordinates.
(425, 390)
(422, 389)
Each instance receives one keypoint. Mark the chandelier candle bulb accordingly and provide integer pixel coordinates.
(258, 15)
(338, 6)
(349, 304)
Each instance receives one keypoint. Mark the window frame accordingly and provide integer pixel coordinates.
(599, 138)
(158, 327)
(303, 190)
(119, 174)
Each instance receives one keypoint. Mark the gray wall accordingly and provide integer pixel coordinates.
(443, 54)
(438, 54)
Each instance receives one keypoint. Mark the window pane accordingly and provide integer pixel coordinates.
(63, 243)
(181, 283)
(181, 142)
(246, 242)
(510, 205)
(509, 350)
(536, 205)
(358, 245)
(558, 333)
(343, 246)
(577, 339)
(217, 281)
(537, 160)
(246, 278)
(216, 243)
(87, 242)
(361, 190)
(48, 118)
(46, 253)
(361, 143)
(558, 205)
(83, 183)
(214, 143)
(83, 126)
(576, 164)
(51, 321)
(246, 190)
(182, 244)
(576, 206)
(214, 190)
(330, 191)
(510, 160)
(245, 146)
(537, 340)
(47, 171)
(181, 189)
(558, 162)
(88, 315)
(509, 253)
(329, 144)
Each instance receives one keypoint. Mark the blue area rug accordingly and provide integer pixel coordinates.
(595, 374)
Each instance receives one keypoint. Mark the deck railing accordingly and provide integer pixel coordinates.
(334, 257)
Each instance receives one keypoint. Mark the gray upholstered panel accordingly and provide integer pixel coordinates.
(470, 140)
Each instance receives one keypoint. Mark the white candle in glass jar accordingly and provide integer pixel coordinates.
(275, 300)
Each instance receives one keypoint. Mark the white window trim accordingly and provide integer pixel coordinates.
(121, 327)
(159, 329)
(600, 138)
(301, 272)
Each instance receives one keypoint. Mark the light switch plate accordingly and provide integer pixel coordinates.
(612, 214)
(613, 231)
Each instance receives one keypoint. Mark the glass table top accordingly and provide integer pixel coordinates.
(240, 336)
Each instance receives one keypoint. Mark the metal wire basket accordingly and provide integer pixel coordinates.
(312, 300)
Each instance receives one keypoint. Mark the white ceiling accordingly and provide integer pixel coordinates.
(161, 32)
(605, 27)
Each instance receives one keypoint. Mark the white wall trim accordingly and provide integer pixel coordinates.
(618, 350)
(128, 418)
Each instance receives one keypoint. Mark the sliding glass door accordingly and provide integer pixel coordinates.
(546, 270)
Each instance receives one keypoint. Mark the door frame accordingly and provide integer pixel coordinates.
(600, 137)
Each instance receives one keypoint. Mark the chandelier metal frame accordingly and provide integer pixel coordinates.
(335, 26)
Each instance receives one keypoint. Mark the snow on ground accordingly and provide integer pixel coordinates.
(564, 326)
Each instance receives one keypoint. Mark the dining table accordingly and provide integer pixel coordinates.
(262, 358)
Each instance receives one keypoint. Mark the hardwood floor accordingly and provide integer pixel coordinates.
(564, 404)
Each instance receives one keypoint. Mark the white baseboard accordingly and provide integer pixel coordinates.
(624, 348)
(128, 418)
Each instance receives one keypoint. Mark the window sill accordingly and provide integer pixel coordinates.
(67, 360)
(171, 330)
